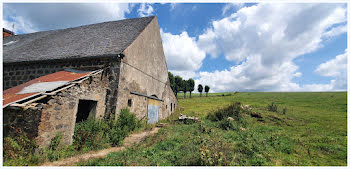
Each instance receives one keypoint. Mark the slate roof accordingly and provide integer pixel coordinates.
(107, 38)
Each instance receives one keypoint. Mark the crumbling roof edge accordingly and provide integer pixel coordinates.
(7, 31)
(42, 95)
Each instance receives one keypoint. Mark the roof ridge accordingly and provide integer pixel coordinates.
(99, 39)
(87, 25)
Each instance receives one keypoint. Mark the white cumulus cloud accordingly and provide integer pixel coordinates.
(182, 53)
(49, 16)
(334, 67)
(145, 10)
(263, 40)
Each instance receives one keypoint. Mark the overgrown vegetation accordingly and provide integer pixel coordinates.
(312, 132)
(19, 148)
(91, 134)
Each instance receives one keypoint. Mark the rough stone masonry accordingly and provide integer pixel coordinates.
(134, 75)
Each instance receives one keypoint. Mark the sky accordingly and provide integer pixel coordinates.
(228, 46)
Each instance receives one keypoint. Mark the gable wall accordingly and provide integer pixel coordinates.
(143, 70)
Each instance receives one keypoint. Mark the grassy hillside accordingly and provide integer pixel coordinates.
(312, 130)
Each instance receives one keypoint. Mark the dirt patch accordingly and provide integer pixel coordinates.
(128, 141)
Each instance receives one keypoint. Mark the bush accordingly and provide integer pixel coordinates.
(19, 146)
(284, 111)
(272, 107)
(230, 118)
(126, 120)
(19, 150)
(95, 134)
(91, 134)
(54, 145)
(228, 125)
(233, 110)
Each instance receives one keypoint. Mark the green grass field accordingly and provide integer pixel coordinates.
(313, 131)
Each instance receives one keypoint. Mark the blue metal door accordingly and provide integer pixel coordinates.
(152, 113)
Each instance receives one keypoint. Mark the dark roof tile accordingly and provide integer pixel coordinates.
(94, 40)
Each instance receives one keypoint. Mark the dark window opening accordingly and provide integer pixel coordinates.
(85, 109)
(166, 107)
(171, 107)
(129, 102)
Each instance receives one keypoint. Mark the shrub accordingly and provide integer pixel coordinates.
(95, 134)
(19, 150)
(230, 118)
(284, 111)
(54, 145)
(117, 135)
(272, 107)
(126, 120)
(228, 125)
(18, 146)
(91, 134)
(233, 110)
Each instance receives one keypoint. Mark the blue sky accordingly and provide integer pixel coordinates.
(228, 46)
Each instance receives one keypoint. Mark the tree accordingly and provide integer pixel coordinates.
(185, 87)
(190, 83)
(200, 89)
(206, 88)
(178, 84)
(172, 81)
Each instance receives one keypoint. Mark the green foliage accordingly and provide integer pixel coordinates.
(95, 134)
(200, 88)
(206, 88)
(52, 150)
(191, 84)
(19, 150)
(184, 86)
(212, 149)
(172, 81)
(233, 110)
(272, 107)
(227, 124)
(126, 120)
(178, 84)
(316, 134)
(91, 134)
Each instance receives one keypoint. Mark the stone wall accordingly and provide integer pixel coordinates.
(138, 106)
(22, 120)
(59, 113)
(144, 70)
(113, 73)
(168, 105)
(15, 74)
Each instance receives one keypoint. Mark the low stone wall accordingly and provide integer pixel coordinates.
(60, 111)
(22, 120)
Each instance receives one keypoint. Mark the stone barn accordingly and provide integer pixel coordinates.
(55, 79)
